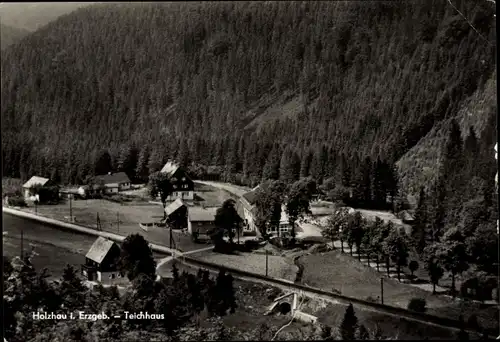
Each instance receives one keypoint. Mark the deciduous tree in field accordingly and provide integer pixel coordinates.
(452, 253)
(298, 199)
(227, 218)
(413, 266)
(433, 265)
(358, 231)
(159, 184)
(385, 231)
(269, 201)
(137, 257)
(378, 234)
(396, 247)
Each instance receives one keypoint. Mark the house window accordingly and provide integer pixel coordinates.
(174, 186)
(174, 179)
(183, 179)
(112, 276)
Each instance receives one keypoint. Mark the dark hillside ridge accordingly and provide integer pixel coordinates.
(222, 83)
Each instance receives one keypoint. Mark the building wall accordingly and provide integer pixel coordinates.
(184, 195)
(108, 277)
(125, 186)
(200, 227)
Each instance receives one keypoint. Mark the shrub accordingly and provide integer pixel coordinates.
(413, 266)
(473, 323)
(417, 305)
(17, 202)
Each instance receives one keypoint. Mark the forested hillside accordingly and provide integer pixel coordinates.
(249, 87)
(10, 35)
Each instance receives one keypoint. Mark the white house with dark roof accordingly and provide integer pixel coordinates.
(101, 261)
(114, 182)
(201, 221)
(183, 185)
(28, 187)
(248, 202)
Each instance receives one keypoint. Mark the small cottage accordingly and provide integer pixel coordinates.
(182, 184)
(30, 187)
(114, 182)
(201, 221)
(101, 261)
(176, 214)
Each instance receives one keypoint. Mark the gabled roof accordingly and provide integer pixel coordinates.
(99, 249)
(34, 181)
(119, 177)
(201, 214)
(170, 168)
(251, 196)
(174, 206)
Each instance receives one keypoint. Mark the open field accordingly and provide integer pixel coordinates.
(334, 270)
(278, 266)
(124, 218)
(129, 216)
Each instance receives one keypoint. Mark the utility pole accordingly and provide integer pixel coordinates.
(267, 262)
(22, 244)
(118, 221)
(382, 290)
(70, 209)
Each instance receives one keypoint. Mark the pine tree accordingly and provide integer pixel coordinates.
(349, 324)
(379, 191)
(272, 166)
(419, 230)
(305, 163)
(289, 166)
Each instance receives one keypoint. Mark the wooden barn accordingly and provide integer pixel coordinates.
(101, 261)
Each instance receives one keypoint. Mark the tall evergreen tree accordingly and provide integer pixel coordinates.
(272, 166)
(305, 163)
(420, 229)
(289, 166)
(349, 324)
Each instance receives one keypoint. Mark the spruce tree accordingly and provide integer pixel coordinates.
(305, 163)
(349, 324)
(272, 166)
(289, 166)
(419, 230)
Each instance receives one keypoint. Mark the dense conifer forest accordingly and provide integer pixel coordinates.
(243, 91)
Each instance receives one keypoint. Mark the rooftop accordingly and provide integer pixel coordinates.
(170, 168)
(99, 249)
(174, 206)
(119, 177)
(34, 181)
(197, 214)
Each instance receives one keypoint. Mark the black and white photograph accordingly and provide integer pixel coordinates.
(249, 171)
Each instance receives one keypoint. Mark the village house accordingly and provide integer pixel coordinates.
(101, 261)
(248, 203)
(176, 214)
(30, 187)
(201, 221)
(113, 182)
(183, 185)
